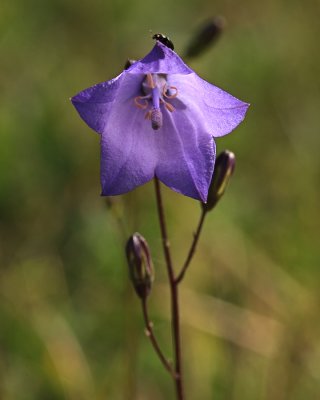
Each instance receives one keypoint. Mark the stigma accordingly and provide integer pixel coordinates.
(156, 93)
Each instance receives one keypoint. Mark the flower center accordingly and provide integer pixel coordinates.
(156, 91)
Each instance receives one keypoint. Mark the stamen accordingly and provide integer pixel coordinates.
(167, 92)
(147, 115)
(169, 106)
(150, 81)
(155, 90)
(156, 118)
(143, 105)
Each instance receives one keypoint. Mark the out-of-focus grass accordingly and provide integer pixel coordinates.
(70, 326)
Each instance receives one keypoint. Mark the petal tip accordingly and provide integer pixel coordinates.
(78, 98)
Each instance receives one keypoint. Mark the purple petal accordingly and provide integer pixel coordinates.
(161, 60)
(186, 154)
(221, 112)
(128, 143)
(94, 104)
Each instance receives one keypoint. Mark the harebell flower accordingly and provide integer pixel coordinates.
(158, 118)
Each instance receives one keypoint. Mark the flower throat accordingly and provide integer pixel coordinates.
(156, 91)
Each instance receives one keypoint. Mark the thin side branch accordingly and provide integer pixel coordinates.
(192, 248)
(153, 340)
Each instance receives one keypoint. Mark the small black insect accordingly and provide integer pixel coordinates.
(164, 40)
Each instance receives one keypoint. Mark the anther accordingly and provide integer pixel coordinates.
(147, 115)
(150, 81)
(169, 107)
(143, 105)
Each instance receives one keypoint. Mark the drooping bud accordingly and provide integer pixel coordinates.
(207, 34)
(140, 265)
(223, 170)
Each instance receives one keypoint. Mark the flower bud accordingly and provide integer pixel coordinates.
(207, 34)
(140, 265)
(223, 170)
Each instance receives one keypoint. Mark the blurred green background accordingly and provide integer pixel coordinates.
(70, 324)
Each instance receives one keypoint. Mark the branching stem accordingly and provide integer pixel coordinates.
(153, 340)
(192, 248)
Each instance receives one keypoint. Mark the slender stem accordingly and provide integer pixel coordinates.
(163, 227)
(193, 247)
(153, 340)
(175, 318)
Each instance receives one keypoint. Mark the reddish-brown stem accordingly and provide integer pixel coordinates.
(175, 320)
(153, 340)
(192, 248)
